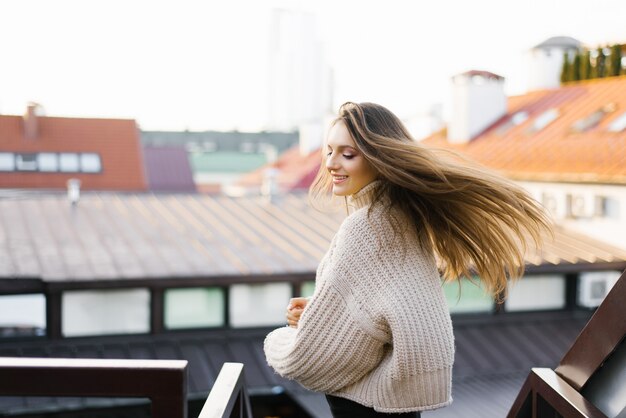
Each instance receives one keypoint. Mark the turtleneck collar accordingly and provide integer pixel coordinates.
(363, 197)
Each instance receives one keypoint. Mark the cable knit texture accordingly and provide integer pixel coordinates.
(377, 329)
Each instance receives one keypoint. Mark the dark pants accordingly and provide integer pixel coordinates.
(345, 408)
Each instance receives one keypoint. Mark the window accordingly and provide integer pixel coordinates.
(50, 162)
(533, 293)
(516, 119)
(101, 312)
(611, 208)
(90, 163)
(47, 161)
(26, 162)
(618, 124)
(472, 298)
(308, 288)
(544, 120)
(591, 121)
(69, 163)
(7, 161)
(22, 315)
(247, 147)
(253, 305)
(600, 205)
(209, 146)
(196, 307)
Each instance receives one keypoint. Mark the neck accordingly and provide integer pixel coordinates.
(363, 197)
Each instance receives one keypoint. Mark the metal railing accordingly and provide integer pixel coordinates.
(228, 397)
(562, 391)
(164, 382)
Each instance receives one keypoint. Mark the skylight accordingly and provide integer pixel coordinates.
(544, 119)
(618, 124)
(516, 119)
(592, 120)
(519, 117)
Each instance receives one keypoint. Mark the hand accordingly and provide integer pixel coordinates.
(294, 310)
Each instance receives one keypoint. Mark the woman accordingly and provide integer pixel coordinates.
(376, 335)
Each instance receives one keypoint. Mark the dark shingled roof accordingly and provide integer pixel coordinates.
(494, 355)
(168, 169)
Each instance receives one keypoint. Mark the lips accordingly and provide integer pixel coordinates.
(339, 179)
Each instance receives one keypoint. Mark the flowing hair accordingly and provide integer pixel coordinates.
(473, 220)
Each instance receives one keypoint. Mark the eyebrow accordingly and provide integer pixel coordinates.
(341, 147)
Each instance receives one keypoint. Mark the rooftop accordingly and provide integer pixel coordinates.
(47, 151)
(574, 134)
(129, 236)
(559, 42)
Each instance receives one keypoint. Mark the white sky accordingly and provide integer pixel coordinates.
(198, 65)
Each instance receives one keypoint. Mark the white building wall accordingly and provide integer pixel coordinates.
(596, 210)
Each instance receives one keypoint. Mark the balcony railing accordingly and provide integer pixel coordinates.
(228, 397)
(164, 382)
(586, 382)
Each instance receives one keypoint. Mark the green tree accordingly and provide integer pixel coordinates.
(600, 63)
(615, 60)
(585, 70)
(565, 69)
(575, 69)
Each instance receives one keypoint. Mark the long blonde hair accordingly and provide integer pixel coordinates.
(471, 218)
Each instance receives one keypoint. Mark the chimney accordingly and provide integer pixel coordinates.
(545, 61)
(478, 100)
(31, 124)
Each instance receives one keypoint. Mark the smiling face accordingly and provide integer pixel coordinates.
(350, 171)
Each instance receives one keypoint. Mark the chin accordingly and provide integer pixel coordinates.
(341, 192)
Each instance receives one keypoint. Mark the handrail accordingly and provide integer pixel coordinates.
(164, 382)
(602, 334)
(228, 397)
(546, 391)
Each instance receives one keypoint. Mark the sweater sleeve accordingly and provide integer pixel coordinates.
(336, 343)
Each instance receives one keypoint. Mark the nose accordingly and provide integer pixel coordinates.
(331, 162)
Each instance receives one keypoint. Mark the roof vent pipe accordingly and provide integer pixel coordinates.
(73, 191)
(269, 188)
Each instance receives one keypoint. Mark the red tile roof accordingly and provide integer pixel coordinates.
(295, 171)
(115, 140)
(565, 149)
(555, 153)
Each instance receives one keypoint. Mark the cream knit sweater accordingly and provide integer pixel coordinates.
(377, 329)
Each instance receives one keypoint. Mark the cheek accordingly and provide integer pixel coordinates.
(366, 171)
(362, 171)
